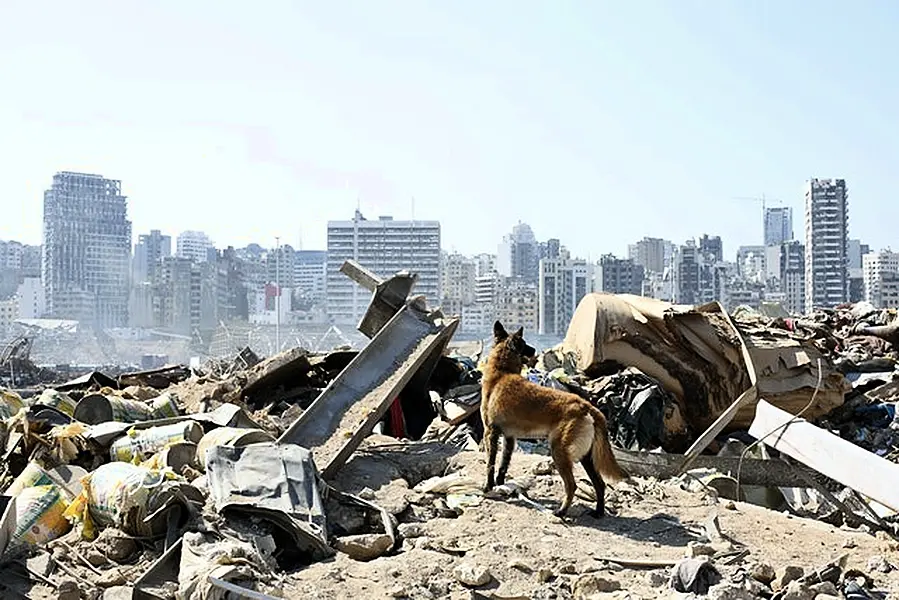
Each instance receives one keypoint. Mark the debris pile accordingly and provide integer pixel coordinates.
(272, 477)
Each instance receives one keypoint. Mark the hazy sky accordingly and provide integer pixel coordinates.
(595, 122)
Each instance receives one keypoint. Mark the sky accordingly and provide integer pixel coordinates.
(595, 122)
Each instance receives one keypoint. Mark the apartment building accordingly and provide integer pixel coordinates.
(87, 250)
(826, 243)
(385, 246)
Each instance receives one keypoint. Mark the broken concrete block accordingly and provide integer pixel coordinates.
(762, 572)
(785, 575)
(796, 590)
(409, 531)
(472, 575)
(364, 547)
(589, 584)
(119, 592)
(879, 564)
(826, 588)
(696, 549)
(115, 545)
(68, 590)
(729, 591)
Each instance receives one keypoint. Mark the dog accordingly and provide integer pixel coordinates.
(513, 407)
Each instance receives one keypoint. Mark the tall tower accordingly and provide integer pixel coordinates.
(87, 250)
(826, 243)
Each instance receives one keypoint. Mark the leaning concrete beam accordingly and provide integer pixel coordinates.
(347, 410)
(830, 455)
(360, 275)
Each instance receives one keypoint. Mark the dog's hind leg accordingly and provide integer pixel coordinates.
(508, 448)
(599, 486)
(491, 440)
(564, 465)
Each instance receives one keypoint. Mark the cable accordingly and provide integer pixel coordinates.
(794, 419)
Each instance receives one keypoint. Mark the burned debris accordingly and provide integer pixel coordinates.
(252, 477)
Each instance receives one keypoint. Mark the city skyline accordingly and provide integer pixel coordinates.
(629, 122)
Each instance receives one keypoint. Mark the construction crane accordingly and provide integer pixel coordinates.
(761, 199)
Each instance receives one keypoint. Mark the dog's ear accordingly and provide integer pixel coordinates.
(519, 333)
(499, 332)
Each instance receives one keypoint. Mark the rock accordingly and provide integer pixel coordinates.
(111, 578)
(41, 564)
(544, 575)
(115, 545)
(825, 588)
(657, 578)
(410, 530)
(696, 549)
(471, 575)
(119, 592)
(520, 565)
(730, 591)
(762, 572)
(393, 497)
(878, 563)
(757, 588)
(397, 591)
(785, 575)
(590, 583)
(96, 558)
(568, 569)
(827, 597)
(364, 547)
(68, 590)
(544, 467)
(796, 590)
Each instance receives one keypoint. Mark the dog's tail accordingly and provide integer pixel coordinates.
(602, 455)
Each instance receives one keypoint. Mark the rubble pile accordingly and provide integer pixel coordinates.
(299, 474)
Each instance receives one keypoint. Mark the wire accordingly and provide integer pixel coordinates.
(794, 419)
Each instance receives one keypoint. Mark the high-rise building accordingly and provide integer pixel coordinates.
(562, 284)
(519, 254)
(384, 246)
(516, 305)
(879, 267)
(31, 298)
(194, 245)
(457, 283)
(619, 275)
(792, 276)
(698, 272)
(826, 243)
(752, 263)
(653, 254)
(148, 251)
(87, 250)
(485, 264)
(712, 248)
(310, 274)
(778, 225)
(280, 265)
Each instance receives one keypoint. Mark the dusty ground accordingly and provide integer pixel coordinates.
(532, 554)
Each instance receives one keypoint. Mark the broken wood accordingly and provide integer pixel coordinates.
(754, 471)
(638, 563)
(842, 461)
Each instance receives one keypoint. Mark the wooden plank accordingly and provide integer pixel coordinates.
(754, 471)
(842, 461)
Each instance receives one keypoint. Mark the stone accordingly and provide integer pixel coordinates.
(115, 545)
(96, 558)
(397, 591)
(68, 590)
(543, 467)
(544, 575)
(785, 575)
(520, 565)
(568, 569)
(757, 588)
(879, 564)
(119, 592)
(729, 591)
(762, 572)
(111, 578)
(827, 597)
(657, 578)
(796, 590)
(471, 575)
(365, 546)
(409, 531)
(590, 583)
(696, 549)
(825, 588)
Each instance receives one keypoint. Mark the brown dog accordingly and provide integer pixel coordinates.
(513, 407)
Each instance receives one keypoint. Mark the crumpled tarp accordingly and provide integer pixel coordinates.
(695, 353)
(277, 482)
